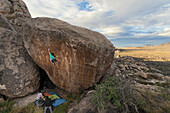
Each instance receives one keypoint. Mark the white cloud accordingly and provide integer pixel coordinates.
(112, 30)
(110, 17)
(166, 32)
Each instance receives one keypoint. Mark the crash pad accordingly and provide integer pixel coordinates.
(46, 94)
(58, 102)
(53, 93)
(53, 97)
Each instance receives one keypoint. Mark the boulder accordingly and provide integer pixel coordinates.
(167, 78)
(85, 105)
(22, 102)
(4, 23)
(19, 75)
(15, 11)
(158, 76)
(122, 67)
(142, 74)
(84, 55)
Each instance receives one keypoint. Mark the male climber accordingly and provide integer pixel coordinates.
(52, 58)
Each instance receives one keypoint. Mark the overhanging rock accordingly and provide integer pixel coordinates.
(84, 55)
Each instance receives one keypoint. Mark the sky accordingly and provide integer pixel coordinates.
(126, 23)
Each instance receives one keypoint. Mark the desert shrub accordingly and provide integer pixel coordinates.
(6, 107)
(120, 93)
(107, 91)
(62, 108)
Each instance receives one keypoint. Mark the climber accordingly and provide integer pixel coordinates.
(52, 58)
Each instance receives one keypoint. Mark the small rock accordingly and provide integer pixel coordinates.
(156, 75)
(167, 78)
(122, 67)
(130, 74)
(133, 65)
(145, 68)
(22, 102)
(126, 67)
(142, 74)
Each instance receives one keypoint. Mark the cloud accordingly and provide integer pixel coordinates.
(166, 32)
(113, 18)
(132, 41)
(112, 31)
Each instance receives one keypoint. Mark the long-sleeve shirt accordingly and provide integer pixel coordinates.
(51, 57)
(48, 102)
(39, 95)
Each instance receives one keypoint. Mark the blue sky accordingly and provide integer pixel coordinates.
(125, 23)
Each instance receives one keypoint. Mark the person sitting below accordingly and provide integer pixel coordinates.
(39, 95)
(48, 105)
(39, 99)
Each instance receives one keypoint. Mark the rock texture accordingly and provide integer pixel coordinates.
(22, 102)
(131, 67)
(84, 55)
(85, 105)
(15, 11)
(19, 75)
(153, 85)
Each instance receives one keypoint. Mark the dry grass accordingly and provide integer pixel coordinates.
(151, 53)
(155, 56)
(159, 102)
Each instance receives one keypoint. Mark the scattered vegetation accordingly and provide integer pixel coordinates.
(62, 108)
(107, 91)
(6, 107)
(121, 94)
(30, 108)
(165, 93)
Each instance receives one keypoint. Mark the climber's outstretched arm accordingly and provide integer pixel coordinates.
(49, 51)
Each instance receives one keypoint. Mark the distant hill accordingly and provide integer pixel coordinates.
(160, 46)
(151, 53)
(164, 44)
(147, 45)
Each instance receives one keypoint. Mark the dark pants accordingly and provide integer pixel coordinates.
(48, 107)
(39, 102)
(54, 60)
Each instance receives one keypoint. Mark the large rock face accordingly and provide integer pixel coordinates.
(15, 11)
(84, 55)
(19, 75)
